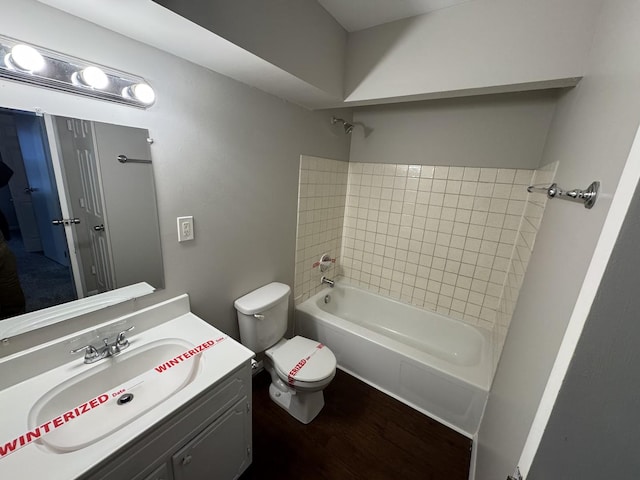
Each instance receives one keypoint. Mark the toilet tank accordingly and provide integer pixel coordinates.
(262, 316)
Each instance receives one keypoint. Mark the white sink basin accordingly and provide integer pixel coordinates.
(85, 408)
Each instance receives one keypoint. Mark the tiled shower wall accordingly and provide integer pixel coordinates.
(449, 239)
(439, 238)
(321, 200)
(531, 218)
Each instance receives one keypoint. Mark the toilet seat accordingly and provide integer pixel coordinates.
(303, 363)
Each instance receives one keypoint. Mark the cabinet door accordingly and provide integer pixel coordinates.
(160, 473)
(221, 452)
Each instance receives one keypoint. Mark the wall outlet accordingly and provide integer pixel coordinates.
(185, 229)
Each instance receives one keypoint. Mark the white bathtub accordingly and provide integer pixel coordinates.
(437, 365)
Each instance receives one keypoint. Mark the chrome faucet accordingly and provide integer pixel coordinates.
(328, 281)
(93, 354)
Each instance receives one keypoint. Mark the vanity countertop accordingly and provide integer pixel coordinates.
(26, 452)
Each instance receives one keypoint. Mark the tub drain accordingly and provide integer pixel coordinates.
(124, 399)
(327, 298)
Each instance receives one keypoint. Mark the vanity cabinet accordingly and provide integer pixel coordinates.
(220, 451)
(210, 437)
(160, 473)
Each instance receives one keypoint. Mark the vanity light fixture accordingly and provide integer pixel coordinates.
(141, 92)
(25, 58)
(92, 77)
(39, 66)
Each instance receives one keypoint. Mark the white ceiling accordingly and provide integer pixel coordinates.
(355, 15)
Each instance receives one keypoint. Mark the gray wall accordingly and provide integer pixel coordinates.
(225, 153)
(500, 131)
(474, 45)
(590, 136)
(593, 432)
(296, 35)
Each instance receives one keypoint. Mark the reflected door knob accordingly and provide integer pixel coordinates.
(99, 228)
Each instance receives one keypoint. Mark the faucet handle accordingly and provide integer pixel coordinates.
(90, 352)
(121, 341)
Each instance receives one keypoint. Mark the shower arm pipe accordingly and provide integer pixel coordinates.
(587, 197)
(348, 127)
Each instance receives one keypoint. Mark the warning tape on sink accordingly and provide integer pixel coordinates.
(31, 436)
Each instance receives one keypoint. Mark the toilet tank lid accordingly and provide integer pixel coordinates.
(262, 299)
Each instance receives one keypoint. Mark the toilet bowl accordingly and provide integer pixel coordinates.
(300, 368)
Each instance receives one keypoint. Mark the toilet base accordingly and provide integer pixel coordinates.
(304, 406)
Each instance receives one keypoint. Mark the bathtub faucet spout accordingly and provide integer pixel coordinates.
(328, 281)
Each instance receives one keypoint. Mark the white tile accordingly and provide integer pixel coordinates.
(468, 188)
(448, 214)
(502, 191)
(441, 251)
(427, 172)
(458, 241)
(463, 216)
(414, 171)
(441, 172)
(455, 173)
(412, 183)
(484, 189)
(439, 186)
(505, 175)
(523, 177)
(488, 175)
(447, 289)
(425, 184)
(436, 199)
(399, 183)
(475, 232)
(444, 302)
(402, 170)
(460, 229)
(482, 204)
(457, 308)
(438, 264)
(471, 174)
(498, 205)
(453, 186)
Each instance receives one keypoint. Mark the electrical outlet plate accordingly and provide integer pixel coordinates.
(185, 229)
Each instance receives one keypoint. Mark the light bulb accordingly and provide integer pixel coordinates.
(94, 77)
(141, 92)
(26, 58)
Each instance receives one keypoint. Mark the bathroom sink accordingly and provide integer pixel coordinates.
(111, 393)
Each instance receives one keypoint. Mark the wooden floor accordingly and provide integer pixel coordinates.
(360, 434)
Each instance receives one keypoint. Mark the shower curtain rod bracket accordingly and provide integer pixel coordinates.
(587, 197)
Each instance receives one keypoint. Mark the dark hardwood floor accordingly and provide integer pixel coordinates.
(360, 434)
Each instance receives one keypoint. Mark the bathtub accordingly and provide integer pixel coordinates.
(437, 365)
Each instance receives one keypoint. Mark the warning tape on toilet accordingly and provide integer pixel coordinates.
(30, 436)
(303, 361)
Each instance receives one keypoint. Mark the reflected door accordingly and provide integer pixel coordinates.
(86, 202)
(41, 186)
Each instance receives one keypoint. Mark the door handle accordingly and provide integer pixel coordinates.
(66, 221)
(99, 228)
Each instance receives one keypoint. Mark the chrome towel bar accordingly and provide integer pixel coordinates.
(587, 197)
(125, 159)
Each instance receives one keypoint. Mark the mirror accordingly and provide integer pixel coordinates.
(80, 221)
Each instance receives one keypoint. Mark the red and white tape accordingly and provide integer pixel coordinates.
(303, 361)
(30, 436)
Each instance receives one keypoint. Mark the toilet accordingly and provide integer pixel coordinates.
(300, 368)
